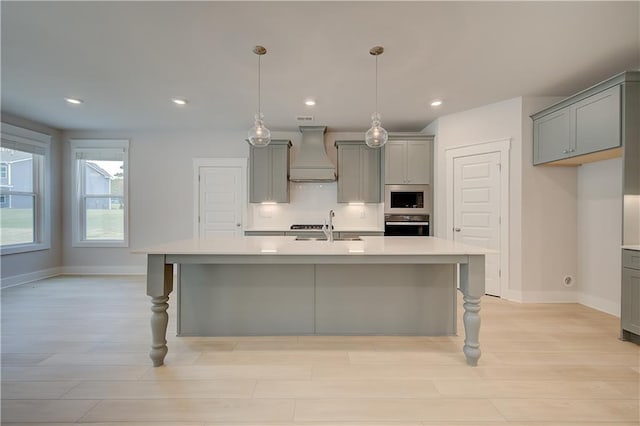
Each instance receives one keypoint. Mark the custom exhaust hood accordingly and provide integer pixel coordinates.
(311, 163)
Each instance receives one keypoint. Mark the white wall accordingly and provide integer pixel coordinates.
(599, 234)
(22, 267)
(542, 234)
(549, 216)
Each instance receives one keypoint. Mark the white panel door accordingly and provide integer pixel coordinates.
(476, 209)
(220, 205)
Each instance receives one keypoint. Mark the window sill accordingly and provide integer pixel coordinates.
(24, 248)
(101, 244)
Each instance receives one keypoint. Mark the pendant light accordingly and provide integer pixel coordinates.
(376, 136)
(259, 135)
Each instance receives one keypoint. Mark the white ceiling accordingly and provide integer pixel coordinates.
(127, 59)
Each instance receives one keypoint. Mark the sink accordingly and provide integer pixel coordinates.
(324, 239)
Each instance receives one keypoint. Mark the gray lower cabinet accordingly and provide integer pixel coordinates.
(589, 125)
(264, 233)
(630, 312)
(269, 172)
(356, 234)
(359, 172)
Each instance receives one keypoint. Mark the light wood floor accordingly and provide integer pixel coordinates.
(74, 351)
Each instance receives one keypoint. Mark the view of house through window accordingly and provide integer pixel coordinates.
(18, 196)
(103, 199)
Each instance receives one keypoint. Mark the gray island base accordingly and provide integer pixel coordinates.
(278, 286)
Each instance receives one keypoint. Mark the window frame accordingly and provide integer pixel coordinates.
(39, 144)
(79, 197)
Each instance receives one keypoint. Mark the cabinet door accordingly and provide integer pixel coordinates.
(269, 173)
(552, 136)
(418, 162)
(280, 173)
(395, 153)
(630, 312)
(349, 171)
(370, 179)
(597, 122)
(260, 173)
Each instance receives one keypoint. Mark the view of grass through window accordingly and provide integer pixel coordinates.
(16, 226)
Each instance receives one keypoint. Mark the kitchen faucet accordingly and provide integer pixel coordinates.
(328, 228)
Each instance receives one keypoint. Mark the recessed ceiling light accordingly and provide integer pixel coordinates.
(309, 102)
(179, 101)
(436, 102)
(74, 101)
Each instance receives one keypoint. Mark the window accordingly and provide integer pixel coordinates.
(100, 182)
(24, 201)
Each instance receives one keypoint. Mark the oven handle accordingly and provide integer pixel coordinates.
(406, 223)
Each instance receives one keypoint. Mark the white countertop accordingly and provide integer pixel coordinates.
(259, 245)
(335, 229)
(631, 247)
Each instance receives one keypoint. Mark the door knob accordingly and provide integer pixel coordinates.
(456, 229)
(238, 225)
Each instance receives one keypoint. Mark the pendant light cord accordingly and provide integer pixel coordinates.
(259, 59)
(376, 84)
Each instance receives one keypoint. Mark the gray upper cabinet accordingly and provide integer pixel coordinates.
(359, 172)
(583, 128)
(407, 162)
(597, 122)
(548, 131)
(269, 172)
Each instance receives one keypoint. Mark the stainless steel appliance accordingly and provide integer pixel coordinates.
(406, 225)
(407, 199)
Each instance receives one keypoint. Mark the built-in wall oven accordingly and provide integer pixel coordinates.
(406, 225)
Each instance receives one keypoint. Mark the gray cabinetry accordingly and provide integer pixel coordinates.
(269, 172)
(264, 233)
(587, 127)
(356, 234)
(597, 122)
(359, 170)
(630, 310)
(552, 136)
(407, 162)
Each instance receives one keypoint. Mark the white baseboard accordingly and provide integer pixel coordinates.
(541, 296)
(29, 277)
(105, 270)
(72, 270)
(600, 304)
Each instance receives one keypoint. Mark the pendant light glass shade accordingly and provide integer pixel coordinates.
(376, 136)
(259, 135)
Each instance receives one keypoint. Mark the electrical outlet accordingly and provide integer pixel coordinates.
(567, 281)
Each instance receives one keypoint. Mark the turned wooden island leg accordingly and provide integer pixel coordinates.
(472, 287)
(159, 285)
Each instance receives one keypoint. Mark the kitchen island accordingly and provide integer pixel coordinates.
(279, 285)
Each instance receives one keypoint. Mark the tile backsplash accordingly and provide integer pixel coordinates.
(310, 204)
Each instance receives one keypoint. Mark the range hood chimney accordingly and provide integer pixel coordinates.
(311, 163)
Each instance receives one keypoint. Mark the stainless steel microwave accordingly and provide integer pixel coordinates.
(407, 199)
